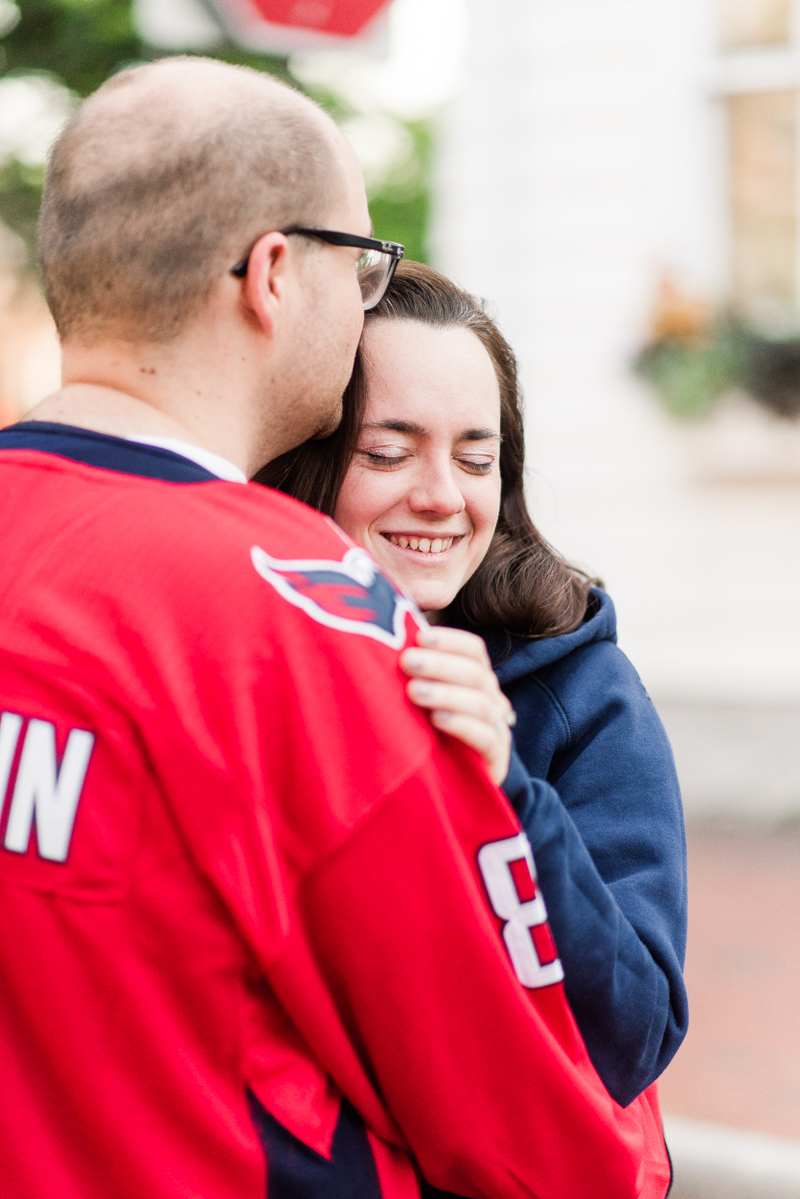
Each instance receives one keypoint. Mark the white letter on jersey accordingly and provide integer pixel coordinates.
(494, 860)
(10, 724)
(53, 797)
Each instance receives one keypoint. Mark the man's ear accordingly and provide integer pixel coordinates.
(266, 282)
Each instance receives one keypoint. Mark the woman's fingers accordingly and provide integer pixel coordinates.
(452, 678)
(491, 742)
(455, 698)
(448, 667)
(453, 641)
(458, 671)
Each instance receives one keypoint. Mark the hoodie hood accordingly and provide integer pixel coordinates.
(514, 657)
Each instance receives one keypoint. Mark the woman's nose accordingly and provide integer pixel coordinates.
(436, 492)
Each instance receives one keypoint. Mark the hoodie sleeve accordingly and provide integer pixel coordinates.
(609, 846)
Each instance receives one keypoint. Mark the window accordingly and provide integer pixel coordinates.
(750, 23)
(762, 132)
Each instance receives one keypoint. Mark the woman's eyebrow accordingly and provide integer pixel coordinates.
(479, 435)
(399, 426)
(414, 429)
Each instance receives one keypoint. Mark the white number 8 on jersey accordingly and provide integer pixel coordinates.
(510, 879)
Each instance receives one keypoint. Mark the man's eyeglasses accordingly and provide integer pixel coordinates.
(374, 268)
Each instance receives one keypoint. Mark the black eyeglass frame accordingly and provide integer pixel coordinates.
(392, 248)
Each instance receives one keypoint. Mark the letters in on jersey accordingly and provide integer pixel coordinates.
(42, 792)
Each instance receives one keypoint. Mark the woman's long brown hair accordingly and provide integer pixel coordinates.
(522, 586)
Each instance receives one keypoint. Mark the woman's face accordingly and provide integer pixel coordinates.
(423, 492)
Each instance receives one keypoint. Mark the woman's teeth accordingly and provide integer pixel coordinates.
(424, 544)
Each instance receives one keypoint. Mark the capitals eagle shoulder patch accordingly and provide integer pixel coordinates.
(351, 595)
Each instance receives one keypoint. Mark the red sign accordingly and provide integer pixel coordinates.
(344, 18)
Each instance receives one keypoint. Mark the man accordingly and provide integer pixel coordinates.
(260, 928)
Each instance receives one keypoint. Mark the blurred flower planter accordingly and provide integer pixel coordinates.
(734, 392)
(690, 375)
(773, 375)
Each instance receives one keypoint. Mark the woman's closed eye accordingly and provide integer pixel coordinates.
(479, 464)
(385, 455)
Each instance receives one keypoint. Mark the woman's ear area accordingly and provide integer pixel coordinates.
(264, 286)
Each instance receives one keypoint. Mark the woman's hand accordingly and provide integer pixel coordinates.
(453, 678)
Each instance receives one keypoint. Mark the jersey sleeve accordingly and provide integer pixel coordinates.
(487, 1081)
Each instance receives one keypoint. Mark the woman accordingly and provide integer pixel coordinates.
(426, 473)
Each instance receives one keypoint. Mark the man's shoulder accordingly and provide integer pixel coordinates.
(209, 554)
(270, 560)
(259, 509)
(265, 531)
(173, 510)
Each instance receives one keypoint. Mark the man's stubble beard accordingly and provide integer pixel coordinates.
(332, 423)
(316, 371)
(328, 367)
(317, 404)
(310, 408)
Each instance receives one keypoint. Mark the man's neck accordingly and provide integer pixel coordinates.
(107, 410)
(157, 391)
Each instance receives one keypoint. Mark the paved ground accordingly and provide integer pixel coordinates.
(740, 1064)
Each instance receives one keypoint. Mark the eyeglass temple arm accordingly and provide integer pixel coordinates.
(393, 248)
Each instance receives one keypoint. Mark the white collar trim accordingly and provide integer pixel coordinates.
(215, 463)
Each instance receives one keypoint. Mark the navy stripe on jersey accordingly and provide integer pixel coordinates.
(296, 1172)
(103, 450)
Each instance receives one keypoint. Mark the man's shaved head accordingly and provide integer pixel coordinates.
(162, 180)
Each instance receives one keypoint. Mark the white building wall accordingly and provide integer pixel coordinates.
(584, 157)
(585, 130)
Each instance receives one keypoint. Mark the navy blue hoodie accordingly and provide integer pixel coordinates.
(593, 781)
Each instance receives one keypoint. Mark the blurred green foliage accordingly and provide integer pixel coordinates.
(401, 208)
(20, 195)
(79, 43)
(690, 375)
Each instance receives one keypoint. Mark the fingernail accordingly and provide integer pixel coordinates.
(412, 661)
(442, 717)
(420, 689)
(428, 636)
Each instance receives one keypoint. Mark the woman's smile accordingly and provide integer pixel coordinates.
(428, 544)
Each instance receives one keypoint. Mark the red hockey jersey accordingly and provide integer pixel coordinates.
(237, 866)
